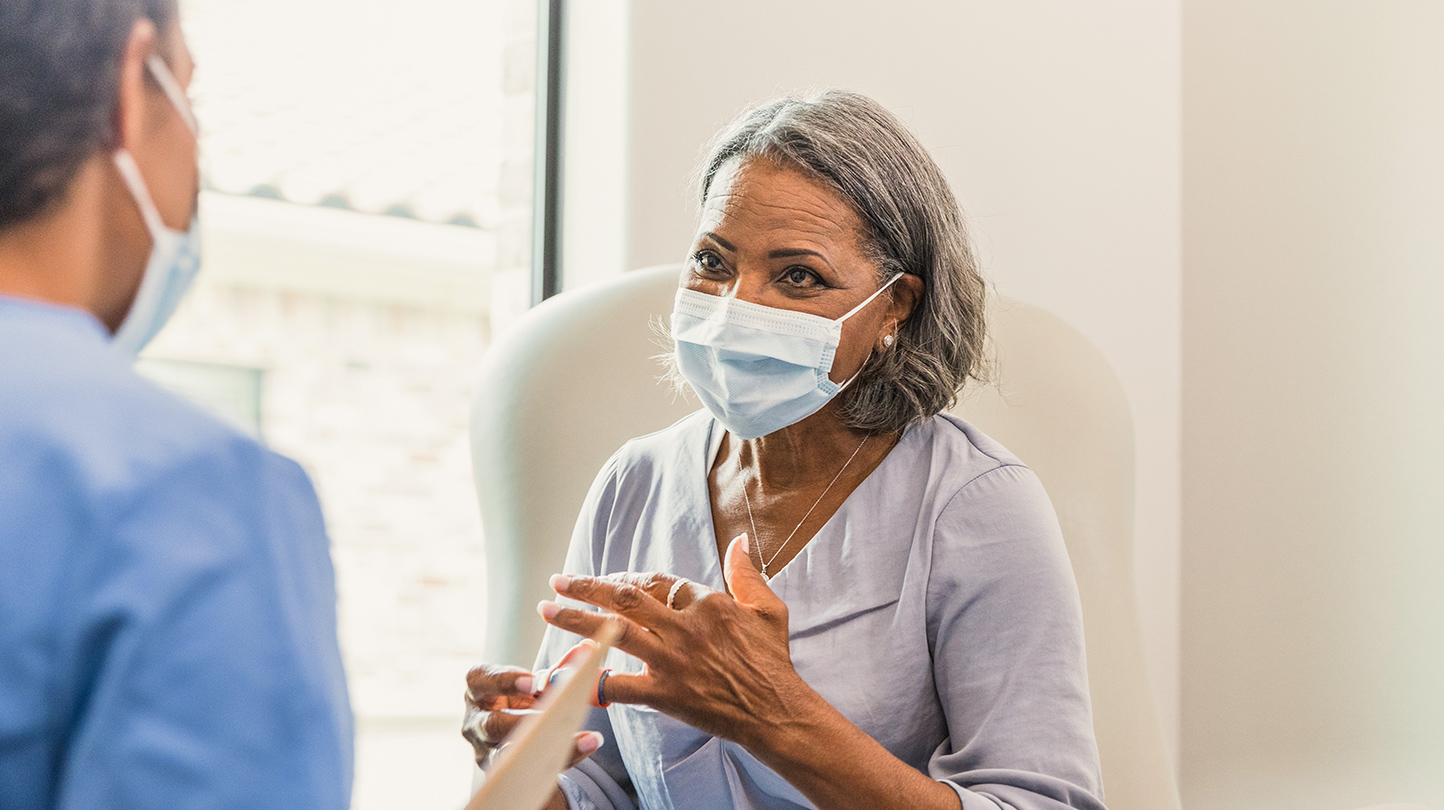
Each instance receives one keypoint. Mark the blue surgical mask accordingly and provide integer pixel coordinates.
(175, 256)
(758, 369)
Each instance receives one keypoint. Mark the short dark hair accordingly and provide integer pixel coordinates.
(912, 224)
(59, 82)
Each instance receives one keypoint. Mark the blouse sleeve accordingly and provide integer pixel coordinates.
(599, 782)
(1005, 629)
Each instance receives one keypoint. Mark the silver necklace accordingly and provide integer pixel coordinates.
(745, 499)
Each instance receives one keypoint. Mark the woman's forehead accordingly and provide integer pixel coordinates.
(765, 200)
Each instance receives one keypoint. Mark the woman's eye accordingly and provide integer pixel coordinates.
(800, 277)
(707, 260)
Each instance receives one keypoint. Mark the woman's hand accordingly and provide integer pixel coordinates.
(721, 664)
(499, 697)
(718, 662)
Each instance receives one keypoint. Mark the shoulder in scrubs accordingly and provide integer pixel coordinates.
(167, 601)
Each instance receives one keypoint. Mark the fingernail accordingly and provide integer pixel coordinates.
(526, 684)
(547, 609)
(560, 582)
(589, 743)
(746, 543)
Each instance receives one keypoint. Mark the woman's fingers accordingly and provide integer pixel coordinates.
(546, 678)
(655, 583)
(661, 586)
(624, 688)
(586, 744)
(747, 584)
(681, 592)
(686, 594)
(497, 698)
(488, 683)
(495, 727)
(633, 638)
(486, 731)
(619, 596)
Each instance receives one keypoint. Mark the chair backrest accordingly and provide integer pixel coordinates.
(576, 378)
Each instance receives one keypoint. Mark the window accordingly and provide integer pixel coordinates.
(231, 392)
(366, 226)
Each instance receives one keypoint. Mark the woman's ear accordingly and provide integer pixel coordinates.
(906, 293)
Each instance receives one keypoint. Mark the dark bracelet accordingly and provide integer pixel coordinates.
(601, 688)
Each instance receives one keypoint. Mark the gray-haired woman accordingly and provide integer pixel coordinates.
(833, 594)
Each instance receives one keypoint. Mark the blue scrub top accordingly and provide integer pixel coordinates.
(167, 601)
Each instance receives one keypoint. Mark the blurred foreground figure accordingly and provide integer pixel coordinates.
(167, 602)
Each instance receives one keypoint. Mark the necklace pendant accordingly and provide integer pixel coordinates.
(753, 521)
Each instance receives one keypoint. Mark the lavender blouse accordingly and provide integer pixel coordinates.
(936, 610)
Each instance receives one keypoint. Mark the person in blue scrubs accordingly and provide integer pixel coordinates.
(167, 599)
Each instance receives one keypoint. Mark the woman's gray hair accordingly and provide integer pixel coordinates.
(912, 225)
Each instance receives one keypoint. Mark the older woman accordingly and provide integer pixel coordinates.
(843, 597)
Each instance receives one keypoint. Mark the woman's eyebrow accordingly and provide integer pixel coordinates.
(784, 253)
(727, 246)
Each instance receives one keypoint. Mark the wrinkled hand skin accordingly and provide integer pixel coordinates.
(719, 662)
(494, 707)
(498, 698)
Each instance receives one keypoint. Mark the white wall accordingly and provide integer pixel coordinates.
(1058, 126)
(1240, 202)
(1313, 404)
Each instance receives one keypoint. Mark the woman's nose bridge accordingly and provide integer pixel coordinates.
(750, 282)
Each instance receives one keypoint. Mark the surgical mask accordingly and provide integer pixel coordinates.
(758, 369)
(175, 257)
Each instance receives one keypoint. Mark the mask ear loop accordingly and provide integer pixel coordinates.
(854, 311)
(173, 91)
(125, 162)
(859, 307)
(130, 173)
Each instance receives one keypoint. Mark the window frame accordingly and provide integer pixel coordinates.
(547, 198)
